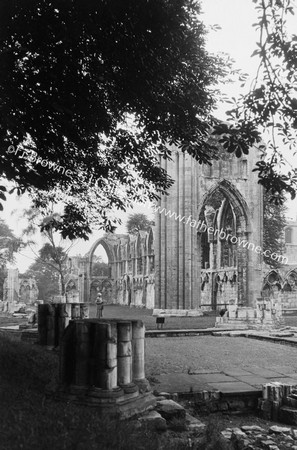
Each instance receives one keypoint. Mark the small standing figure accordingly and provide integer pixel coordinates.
(99, 303)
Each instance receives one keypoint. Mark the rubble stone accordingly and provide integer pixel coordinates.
(154, 420)
(193, 424)
(165, 394)
(268, 444)
(252, 428)
(276, 429)
(288, 415)
(170, 409)
(226, 434)
(239, 433)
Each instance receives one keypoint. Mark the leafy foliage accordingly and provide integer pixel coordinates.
(91, 93)
(271, 104)
(47, 278)
(137, 222)
(53, 255)
(100, 268)
(273, 229)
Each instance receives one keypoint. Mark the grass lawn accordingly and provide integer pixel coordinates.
(29, 420)
(32, 421)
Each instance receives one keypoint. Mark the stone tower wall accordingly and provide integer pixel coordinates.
(179, 272)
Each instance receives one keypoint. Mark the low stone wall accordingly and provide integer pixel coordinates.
(214, 401)
(177, 312)
(289, 300)
(266, 314)
(279, 403)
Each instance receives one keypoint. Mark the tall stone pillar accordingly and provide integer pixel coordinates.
(138, 335)
(105, 356)
(176, 242)
(124, 353)
(82, 352)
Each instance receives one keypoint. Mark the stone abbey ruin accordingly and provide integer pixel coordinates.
(185, 263)
(204, 252)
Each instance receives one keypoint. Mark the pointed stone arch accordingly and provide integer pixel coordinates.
(92, 283)
(107, 247)
(291, 278)
(234, 197)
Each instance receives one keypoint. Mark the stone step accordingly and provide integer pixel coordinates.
(170, 410)
(154, 421)
(193, 424)
(288, 415)
(291, 401)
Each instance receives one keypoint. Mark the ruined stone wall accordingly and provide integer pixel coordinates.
(130, 279)
(18, 290)
(281, 285)
(226, 191)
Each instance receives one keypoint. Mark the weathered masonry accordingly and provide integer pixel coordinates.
(202, 252)
(199, 266)
(129, 278)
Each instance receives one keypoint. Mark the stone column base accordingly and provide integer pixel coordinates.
(115, 403)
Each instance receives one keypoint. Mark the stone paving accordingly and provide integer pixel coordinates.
(193, 364)
(229, 381)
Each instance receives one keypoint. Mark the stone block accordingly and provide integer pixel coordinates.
(165, 394)
(238, 432)
(194, 424)
(254, 428)
(223, 406)
(279, 430)
(235, 405)
(290, 401)
(226, 434)
(268, 444)
(154, 421)
(288, 415)
(170, 409)
(265, 407)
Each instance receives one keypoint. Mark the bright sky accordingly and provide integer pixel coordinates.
(236, 37)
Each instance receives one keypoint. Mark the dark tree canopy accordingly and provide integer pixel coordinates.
(47, 279)
(54, 252)
(92, 91)
(100, 269)
(137, 222)
(49, 269)
(9, 243)
(273, 230)
(271, 103)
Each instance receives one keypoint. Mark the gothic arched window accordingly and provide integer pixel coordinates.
(228, 251)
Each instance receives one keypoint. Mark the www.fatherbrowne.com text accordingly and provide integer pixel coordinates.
(202, 227)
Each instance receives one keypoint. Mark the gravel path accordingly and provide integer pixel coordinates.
(167, 355)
